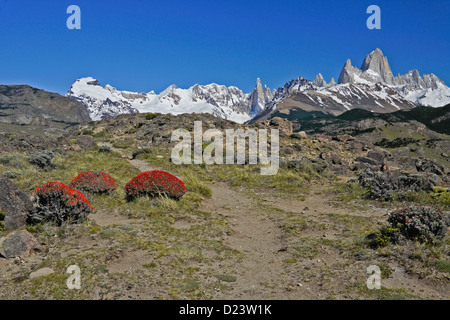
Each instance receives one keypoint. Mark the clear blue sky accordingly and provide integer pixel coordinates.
(141, 45)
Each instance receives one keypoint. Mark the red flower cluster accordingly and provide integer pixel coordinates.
(70, 197)
(154, 183)
(57, 202)
(94, 181)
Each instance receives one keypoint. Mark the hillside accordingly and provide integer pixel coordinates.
(316, 225)
(25, 109)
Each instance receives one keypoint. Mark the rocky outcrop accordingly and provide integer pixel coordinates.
(14, 203)
(25, 105)
(283, 125)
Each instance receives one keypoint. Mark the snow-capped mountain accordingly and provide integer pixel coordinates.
(427, 90)
(225, 102)
(371, 87)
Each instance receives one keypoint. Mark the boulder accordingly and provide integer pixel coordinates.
(86, 142)
(379, 156)
(14, 203)
(423, 165)
(284, 125)
(331, 158)
(18, 244)
(343, 138)
(368, 161)
(299, 135)
(41, 273)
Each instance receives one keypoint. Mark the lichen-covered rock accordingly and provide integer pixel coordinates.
(86, 142)
(14, 203)
(18, 244)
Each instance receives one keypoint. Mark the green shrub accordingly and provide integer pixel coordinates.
(2, 218)
(443, 266)
(384, 237)
(150, 116)
(87, 132)
(441, 195)
(396, 143)
(11, 174)
(43, 159)
(123, 144)
(138, 152)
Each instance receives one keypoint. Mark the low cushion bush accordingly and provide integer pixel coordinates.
(155, 183)
(93, 181)
(423, 223)
(58, 203)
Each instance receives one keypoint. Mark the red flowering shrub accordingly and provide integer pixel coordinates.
(58, 203)
(154, 183)
(94, 181)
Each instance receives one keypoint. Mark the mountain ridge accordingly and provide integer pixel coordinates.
(371, 87)
(225, 102)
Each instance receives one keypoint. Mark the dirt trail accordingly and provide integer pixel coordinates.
(140, 164)
(260, 272)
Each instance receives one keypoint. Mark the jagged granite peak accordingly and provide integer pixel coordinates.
(413, 81)
(332, 82)
(375, 68)
(320, 81)
(348, 73)
(259, 98)
(378, 63)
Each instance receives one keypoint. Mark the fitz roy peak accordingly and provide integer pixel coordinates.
(226, 102)
(371, 87)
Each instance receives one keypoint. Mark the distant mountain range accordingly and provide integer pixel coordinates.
(225, 102)
(372, 87)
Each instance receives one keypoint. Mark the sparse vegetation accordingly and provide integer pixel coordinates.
(325, 231)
